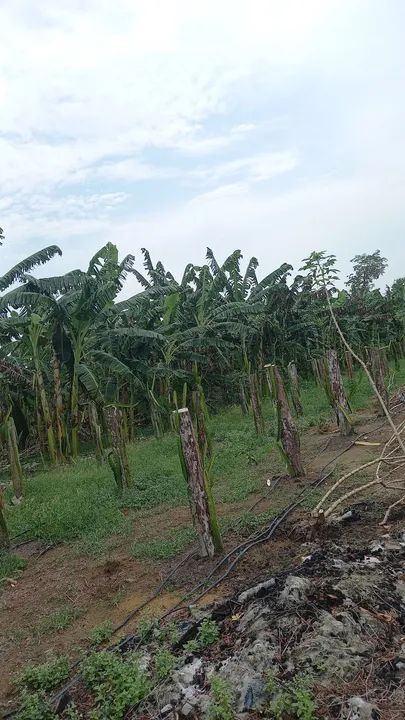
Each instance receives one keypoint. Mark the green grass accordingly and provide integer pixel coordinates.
(164, 548)
(10, 565)
(79, 501)
(58, 620)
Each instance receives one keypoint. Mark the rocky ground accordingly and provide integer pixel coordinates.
(325, 640)
(337, 621)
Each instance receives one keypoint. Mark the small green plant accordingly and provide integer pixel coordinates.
(34, 707)
(165, 662)
(116, 683)
(146, 626)
(101, 633)
(302, 700)
(222, 706)
(208, 633)
(58, 620)
(290, 700)
(117, 597)
(192, 646)
(10, 565)
(72, 713)
(169, 633)
(45, 676)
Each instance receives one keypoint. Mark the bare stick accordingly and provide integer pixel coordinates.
(401, 501)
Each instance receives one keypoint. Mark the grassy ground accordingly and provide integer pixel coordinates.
(79, 502)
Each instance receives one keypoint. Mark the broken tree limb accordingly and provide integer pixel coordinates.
(206, 526)
(385, 519)
(287, 434)
(339, 399)
(295, 388)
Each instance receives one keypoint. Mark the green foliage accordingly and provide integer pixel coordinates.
(165, 663)
(290, 700)
(166, 547)
(118, 683)
(208, 633)
(57, 620)
(44, 677)
(35, 707)
(222, 705)
(101, 633)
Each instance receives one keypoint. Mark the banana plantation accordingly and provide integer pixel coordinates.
(135, 427)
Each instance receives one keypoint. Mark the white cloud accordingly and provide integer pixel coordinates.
(214, 99)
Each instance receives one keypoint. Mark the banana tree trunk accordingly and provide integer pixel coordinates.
(287, 434)
(119, 445)
(242, 398)
(14, 458)
(377, 362)
(96, 428)
(59, 408)
(256, 405)
(74, 413)
(46, 413)
(295, 388)
(202, 510)
(4, 536)
(338, 394)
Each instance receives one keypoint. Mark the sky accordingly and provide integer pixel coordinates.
(272, 126)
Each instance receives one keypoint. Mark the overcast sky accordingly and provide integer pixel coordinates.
(273, 126)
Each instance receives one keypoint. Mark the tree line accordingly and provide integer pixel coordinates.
(70, 352)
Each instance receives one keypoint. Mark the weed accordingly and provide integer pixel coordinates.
(72, 713)
(208, 633)
(101, 633)
(34, 707)
(146, 626)
(10, 565)
(58, 620)
(192, 646)
(222, 707)
(117, 597)
(165, 662)
(169, 633)
(117, 684)
(164, 548)
(45, 676)
(290, 700)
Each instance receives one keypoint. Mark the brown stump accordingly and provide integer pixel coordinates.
(338, 395)
(287, 434)
(200, 496)
(377, 364)
(295, 388)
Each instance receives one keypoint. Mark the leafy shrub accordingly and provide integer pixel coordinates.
(165, 662)
(101, 633)
(35, 707)
(45, 676)
(208, 633)
(223, 701)
(117, 684)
